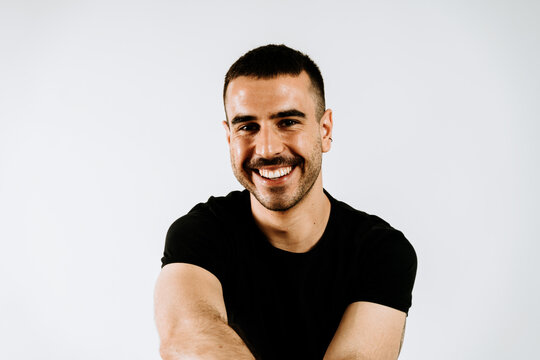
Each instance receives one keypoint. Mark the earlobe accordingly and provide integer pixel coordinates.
(227, 131)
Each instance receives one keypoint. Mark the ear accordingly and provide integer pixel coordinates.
(325, 127)
(227, 131)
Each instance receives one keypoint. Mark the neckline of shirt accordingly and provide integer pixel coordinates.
(263, 242)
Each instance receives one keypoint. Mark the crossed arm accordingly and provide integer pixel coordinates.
(191, 318)
(192, 322)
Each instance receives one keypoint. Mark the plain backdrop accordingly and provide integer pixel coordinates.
(110, 129)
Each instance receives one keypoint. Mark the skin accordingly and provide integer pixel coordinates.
(191, 318)
(271, 124)
(368, 331)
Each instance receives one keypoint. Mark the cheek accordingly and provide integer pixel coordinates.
(238, 149)
(305, 142)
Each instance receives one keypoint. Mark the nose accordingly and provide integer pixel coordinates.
(268, 143)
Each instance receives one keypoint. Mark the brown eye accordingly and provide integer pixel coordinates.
(288, 123)
(248, 127)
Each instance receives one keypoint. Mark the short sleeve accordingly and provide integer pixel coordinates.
(386, 270)
(194, 239)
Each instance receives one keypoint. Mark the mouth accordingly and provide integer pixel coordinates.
(275, 173)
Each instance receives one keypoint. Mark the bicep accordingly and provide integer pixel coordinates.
(183, 293)
(368, 331)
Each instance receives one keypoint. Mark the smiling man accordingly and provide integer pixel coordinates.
(281, 270)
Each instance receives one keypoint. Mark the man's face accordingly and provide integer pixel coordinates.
(275, 140)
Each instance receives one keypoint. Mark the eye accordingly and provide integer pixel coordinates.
(248, 127)
(287, 122)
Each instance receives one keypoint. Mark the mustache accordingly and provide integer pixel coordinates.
(276, 161)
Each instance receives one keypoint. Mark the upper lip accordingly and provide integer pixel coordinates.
(272, 164)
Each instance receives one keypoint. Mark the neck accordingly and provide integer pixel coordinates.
(299, 228)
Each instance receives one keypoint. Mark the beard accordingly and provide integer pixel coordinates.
(281, 198)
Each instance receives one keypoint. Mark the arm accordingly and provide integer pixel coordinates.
(368, 331)
(191, 318)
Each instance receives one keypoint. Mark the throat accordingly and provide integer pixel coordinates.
(296, 230)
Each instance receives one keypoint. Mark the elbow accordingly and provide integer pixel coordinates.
(168, 352)
(179, 345)
(174, 351)
(173, 348)
(175, 341)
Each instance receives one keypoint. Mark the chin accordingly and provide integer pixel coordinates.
(276, 204)
(279, 200)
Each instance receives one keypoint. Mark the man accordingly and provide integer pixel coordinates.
(281, 270)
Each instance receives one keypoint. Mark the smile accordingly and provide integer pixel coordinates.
(276, 173)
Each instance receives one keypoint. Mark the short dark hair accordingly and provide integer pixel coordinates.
(270, 61)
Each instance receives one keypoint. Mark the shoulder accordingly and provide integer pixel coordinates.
(197, 237)
(348, 218)
(368, 232)
(384, 260)
(217, 210)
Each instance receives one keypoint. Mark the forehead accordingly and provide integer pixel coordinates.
(250, 95)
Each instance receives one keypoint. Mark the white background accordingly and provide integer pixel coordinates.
(110, 129)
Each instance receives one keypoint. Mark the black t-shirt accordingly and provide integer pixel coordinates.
(288, 305)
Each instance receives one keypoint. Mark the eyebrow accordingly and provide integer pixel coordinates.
(282, 114)
(242, 118)
(288, 113)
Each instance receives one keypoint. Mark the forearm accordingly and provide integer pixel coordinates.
(191, 317)
(205, 339)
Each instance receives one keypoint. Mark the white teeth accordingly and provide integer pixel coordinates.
(274, 174)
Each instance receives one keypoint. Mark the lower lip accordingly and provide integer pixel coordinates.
(273, 182)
